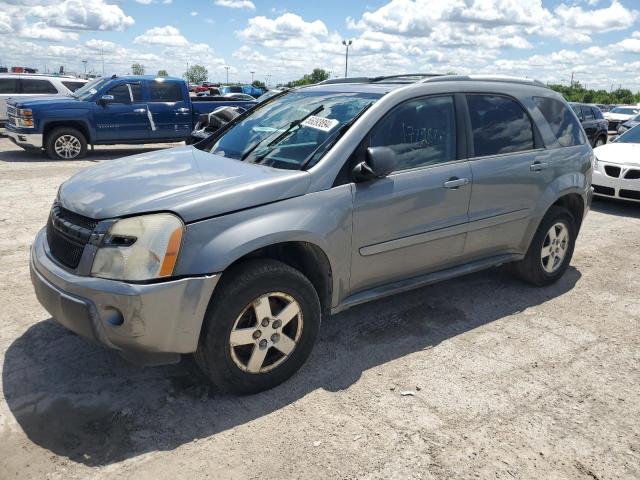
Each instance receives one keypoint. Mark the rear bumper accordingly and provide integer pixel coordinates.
(24, 140)
(146, 323)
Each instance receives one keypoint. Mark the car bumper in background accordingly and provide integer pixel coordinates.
(149, 324)
(615, 187)
(25, 140)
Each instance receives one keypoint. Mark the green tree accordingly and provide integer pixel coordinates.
(196, 74)
(318, 75)
(137, 69)
(258, 83)
(163, 73)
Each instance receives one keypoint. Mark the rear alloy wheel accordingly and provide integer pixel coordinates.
(551, 248)
(600, 141)
(66, 144)
(261, 325)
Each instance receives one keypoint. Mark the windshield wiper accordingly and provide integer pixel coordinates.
(276, 140)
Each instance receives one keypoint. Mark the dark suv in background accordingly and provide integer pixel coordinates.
(593, 122)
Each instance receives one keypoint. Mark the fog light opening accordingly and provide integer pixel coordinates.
(114, 317)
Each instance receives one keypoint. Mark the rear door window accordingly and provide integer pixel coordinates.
(166, 92)
(8, 85)
(563, 125)
(597, 113)
(499, 124)
(587, 113)
(37, 86)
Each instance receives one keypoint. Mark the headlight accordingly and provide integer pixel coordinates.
(595, 162)
(24, 122)
(139, 248)
(622, 129)
(24, 112)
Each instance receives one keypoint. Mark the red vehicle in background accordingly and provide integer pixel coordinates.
(212, 88)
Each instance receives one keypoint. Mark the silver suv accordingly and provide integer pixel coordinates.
(317, 200)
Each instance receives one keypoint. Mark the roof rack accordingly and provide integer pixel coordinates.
(485, 78)
(402, 78)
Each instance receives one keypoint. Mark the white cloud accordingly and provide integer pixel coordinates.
(236, 4)
(613, 17)
(5, 23)
(168, 35)
(279, 31)
(41, 31)
(82, 15)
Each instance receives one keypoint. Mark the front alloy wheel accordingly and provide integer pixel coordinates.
(67, 146)
(261, 339)
(261, 325)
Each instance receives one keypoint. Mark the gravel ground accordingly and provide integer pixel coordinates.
(504, 380)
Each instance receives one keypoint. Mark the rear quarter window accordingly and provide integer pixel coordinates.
(563, 125)
(73, 86)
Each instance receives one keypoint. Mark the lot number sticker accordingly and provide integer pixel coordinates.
(320, 123)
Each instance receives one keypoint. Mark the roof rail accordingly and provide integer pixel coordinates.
(402, 78)
(485, 78)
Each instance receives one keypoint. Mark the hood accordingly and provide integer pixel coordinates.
(192, 183)
(631, 123)
(619, 153)
(618, 116)
(39, 101)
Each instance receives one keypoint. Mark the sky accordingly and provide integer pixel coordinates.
(596, 41)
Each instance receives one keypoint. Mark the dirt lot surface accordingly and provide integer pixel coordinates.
(504, 380)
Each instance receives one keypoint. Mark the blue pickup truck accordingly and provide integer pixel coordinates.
(108, 111)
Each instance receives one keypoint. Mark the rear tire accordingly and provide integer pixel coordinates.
(66, 143)
(252, 338)
(551, 249)
(600, 141)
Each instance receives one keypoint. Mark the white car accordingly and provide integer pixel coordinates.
(13, 85)
(618, 115)
(616, 169)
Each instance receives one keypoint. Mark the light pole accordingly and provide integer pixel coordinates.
(227, 69)
(252, 77)
(84, 62)
(347, 44)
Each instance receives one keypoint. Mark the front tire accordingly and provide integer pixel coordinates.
(66, 143)
(551, 249)
(600, 141)
(260, 327)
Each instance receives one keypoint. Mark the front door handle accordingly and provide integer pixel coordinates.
(538, 166)
(455, 182)
(182, 110)
(140, 110)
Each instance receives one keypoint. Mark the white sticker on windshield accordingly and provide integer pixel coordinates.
(320, 123)
(93, 91)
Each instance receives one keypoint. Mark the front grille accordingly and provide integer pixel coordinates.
(632, 194)
(612, 171)
(603, 190)
(11, 115)
(67, 235)
(632, 174)
(613, 125)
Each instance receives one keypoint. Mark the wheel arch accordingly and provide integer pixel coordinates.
(79, 125)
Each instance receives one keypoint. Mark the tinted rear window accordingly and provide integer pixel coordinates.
(8, 85)
(563, 125)
(165, 92)
(587, 113)
(73, 86)
(33, 86)
(500, 125)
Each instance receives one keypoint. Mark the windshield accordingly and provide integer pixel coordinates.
(90, 88)
(625, 111)
(287, 131)
(630, 136)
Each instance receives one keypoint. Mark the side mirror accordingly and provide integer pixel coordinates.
(104, 99)
(380, 162)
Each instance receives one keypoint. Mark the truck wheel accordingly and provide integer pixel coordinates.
(66, 143)
(551, 249)
(260, 327)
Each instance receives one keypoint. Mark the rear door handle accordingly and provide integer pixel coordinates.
(455, 182)
(538, 166)
(140, 110)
